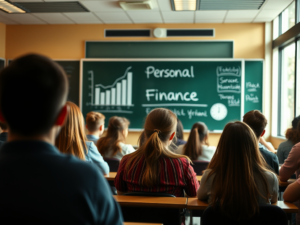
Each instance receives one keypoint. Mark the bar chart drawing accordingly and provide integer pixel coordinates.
(117, 94)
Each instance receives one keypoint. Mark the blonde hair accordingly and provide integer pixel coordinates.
(159, 126)
(114, 135)
(236, 162)
(94, 120)
(71, 139)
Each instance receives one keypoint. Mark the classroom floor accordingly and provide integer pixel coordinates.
(196, 220)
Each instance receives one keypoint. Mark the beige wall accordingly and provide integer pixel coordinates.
(2, 40)
(67, 42)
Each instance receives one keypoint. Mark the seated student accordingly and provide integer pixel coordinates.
(94, 125)
(237, 178)
(4, 133)
(197, 147)
(257, 121)
(113, 144)
(179, 133)
(153, 167)
(39, 185)
(72, 140)
(293, 137)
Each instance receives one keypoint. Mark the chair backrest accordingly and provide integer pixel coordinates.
(152, 194)
(268, 214)
(199, 166)
(113, 164)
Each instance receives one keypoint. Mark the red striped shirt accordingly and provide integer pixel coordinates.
(176, 176)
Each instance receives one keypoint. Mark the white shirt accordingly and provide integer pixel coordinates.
(207, 152)
(126, 149)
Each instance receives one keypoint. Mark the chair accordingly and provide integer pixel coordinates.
(199, 166)
(166, 216)
(113, 164)
(268, 214)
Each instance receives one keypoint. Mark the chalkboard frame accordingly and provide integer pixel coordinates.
(86, 56)
(166, 59)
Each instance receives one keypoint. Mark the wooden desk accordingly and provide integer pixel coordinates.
(111, 176)
(160, 202)
(199, 178)
(287, 183)
(132, 223)
(195, 204)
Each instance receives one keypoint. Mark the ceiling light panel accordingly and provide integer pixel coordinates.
(10, 8)
(184, 5)
(230, 4)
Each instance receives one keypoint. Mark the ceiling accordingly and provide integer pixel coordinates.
(109, 12)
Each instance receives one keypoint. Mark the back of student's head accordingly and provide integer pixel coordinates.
(198, 135)
(179, 129)
(256, 120)
(293, 133)
(116, 129)
(33, 90)
(71, 139)
(94, 120)
(237, 165)
(159, 126)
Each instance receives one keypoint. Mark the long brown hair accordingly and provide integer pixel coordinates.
(159, 126)
(193, 147)
(71, 139)
(114, 135)
(293, 134)
(236, 162)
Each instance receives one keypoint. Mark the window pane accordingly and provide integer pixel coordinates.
(287, 88)
(275, 28)
(288, 18)
(298, 80)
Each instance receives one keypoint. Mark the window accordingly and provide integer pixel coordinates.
(288, 18)
(298, 80)
(275, 28)
(287, 88)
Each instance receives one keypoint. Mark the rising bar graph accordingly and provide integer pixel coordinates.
(117, 94)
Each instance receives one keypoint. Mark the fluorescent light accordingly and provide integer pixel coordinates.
(10, 8)
(181, 5)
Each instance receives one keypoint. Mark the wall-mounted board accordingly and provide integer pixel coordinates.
(196, 90)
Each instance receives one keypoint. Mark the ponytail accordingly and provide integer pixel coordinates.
(193, 148)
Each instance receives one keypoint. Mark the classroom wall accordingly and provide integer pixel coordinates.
(68, 42)
(2, 40)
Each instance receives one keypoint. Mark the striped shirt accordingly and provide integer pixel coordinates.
(176, 176)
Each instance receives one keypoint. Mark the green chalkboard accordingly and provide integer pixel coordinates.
(196, 90)
(159, 49)
(72, 69)
(2, 63)
(253, 85)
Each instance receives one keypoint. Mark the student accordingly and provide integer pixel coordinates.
(94, 125)
(113, 144)
(197, 147)
(72, 140)
(4, 133)
(237, 178)
(179, 133)
(292, 192)
(39, 185)
(293, 137)
(257, 121)
(153, 167)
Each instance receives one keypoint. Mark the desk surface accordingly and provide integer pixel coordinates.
(141, 201)
(195, 204)
(287, 183)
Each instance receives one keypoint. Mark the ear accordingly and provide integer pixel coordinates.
(2, 118)
(101, 127)
(62, 116)
(172, 136)
(262, 134)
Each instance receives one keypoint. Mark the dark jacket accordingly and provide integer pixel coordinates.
(271, 158)
(39, 185)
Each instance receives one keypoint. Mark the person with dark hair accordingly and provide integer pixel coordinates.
(197, 147)
(258, 122)
(179, 133)
(153, 167)
(237, 179)
(4, 133)
(95, 126)
(39, 184)
(293, 137)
